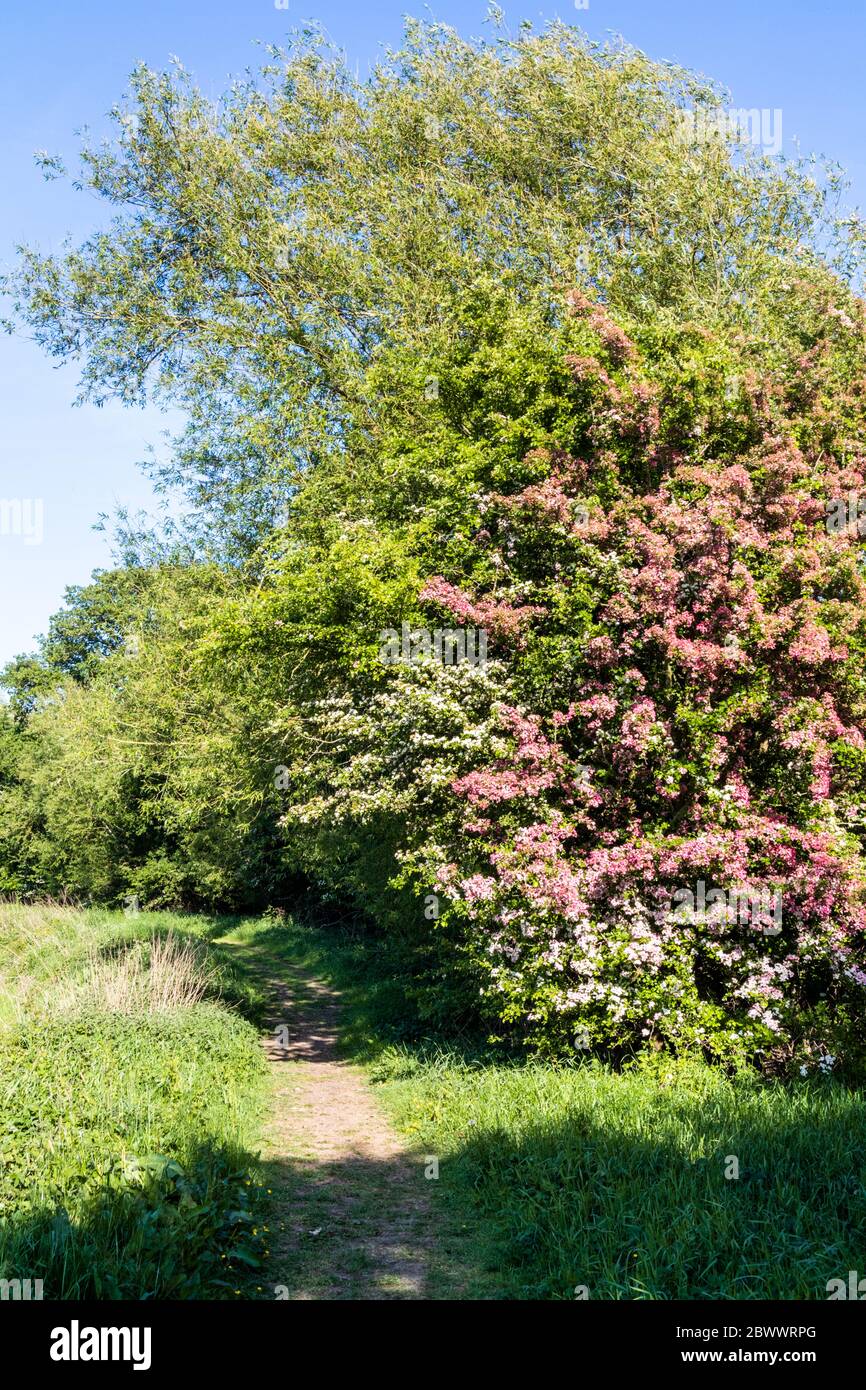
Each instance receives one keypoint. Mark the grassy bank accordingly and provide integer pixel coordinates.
(130, 1094)
(622, 1184)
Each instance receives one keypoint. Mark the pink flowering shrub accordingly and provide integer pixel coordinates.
(685, 641)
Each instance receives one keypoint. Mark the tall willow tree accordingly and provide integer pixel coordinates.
(287, 263)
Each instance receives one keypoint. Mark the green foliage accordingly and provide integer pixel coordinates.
(123, 1176)
(290, 264)
(417, 323)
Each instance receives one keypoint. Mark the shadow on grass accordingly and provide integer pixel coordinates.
(667, 1199)
(563, 1206)
(371, 975)
(155, 1229)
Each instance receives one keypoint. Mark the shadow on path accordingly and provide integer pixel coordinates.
(354, 1216)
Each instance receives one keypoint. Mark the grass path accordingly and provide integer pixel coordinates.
(356, 1218)
(352, 1214)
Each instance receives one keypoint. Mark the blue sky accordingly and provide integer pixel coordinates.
(62, 67)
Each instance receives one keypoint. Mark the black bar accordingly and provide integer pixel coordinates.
(256, 1338)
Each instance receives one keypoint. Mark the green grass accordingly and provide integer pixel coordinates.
(128, 1139)
(45, 948)
(618, 1182)
(126, 1134)
(569, 1176)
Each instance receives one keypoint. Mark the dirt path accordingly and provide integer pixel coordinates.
(353, 1210)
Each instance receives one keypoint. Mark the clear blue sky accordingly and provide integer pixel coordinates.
(63, 65)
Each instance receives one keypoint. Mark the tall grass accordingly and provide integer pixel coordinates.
(668, 1181)
(155, 976)
(130, 1096)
